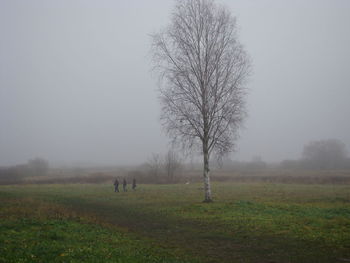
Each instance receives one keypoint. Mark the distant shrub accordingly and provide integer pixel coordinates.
(325, 154)
(10, 175)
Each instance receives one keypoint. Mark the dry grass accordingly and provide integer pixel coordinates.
(195, 176)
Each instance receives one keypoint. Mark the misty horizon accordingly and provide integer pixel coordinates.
(76, 84)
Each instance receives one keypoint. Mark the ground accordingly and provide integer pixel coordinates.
(247, 222)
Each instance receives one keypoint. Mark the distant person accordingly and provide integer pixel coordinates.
(134, 184)
(116, 185)
(124, 185)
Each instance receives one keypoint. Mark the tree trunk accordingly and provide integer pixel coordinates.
(206, 173)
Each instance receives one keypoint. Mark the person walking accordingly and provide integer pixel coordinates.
(134, 184)
(124, 185)
(116, 185)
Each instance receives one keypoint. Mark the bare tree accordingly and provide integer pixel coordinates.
(203, 68)
(172, 164)
(38, 167)
(155, 165)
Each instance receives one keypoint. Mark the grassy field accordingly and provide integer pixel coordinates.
(248, 222)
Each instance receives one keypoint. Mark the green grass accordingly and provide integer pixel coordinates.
(30, 240)
(252, 222)
(36, 231)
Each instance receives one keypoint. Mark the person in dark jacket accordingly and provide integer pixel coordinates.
(116, 185)
(124, 185)
(134, 184)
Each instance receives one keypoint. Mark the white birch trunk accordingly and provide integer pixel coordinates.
(206, 175)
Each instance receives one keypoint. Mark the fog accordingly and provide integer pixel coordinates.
(76, 84)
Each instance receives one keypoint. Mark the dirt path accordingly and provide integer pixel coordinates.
(207, 240)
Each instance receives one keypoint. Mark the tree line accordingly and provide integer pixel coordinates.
(34, 167)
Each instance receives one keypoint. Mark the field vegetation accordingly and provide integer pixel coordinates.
(248, 222)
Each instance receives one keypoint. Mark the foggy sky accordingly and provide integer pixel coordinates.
(76, 84)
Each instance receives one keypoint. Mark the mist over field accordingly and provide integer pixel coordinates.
(76, 85)
(178, 131)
